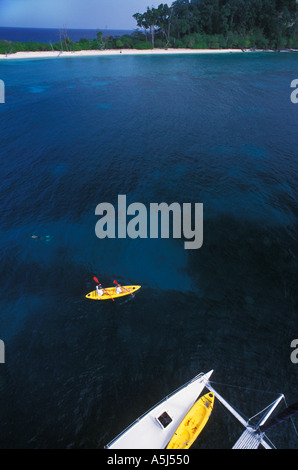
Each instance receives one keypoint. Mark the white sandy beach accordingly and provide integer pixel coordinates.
(55, 54)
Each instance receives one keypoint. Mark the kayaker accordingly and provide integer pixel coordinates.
(118, 289)
(99, 290)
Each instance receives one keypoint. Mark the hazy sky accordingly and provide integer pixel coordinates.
(113, 14)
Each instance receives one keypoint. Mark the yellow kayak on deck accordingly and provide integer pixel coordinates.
(110, 293)
(193, 423)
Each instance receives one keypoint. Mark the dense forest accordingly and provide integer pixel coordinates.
(196, 24)
(222, 23)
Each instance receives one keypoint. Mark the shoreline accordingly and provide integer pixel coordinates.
(112, 52)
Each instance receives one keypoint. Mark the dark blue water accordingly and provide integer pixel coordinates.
(46, 35)
(215, 129)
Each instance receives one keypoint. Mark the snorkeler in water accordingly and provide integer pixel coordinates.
(47, 238)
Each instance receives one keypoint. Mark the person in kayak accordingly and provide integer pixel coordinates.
(118, 289)
(99, 290)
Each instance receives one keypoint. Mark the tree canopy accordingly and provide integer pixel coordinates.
(228, 23)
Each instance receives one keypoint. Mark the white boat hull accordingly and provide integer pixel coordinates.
(147, 432)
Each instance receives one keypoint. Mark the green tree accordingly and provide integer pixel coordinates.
(149, 20)
(142, 22)
(151, 17)
(100, 40)
(164, 20)
(181, 18)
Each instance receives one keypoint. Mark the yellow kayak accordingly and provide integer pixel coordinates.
(193, 423)
(110, 293)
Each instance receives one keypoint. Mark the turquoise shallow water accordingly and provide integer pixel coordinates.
(215, 129)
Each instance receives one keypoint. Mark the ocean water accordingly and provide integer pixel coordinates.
(216, 129)
(47, 35)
